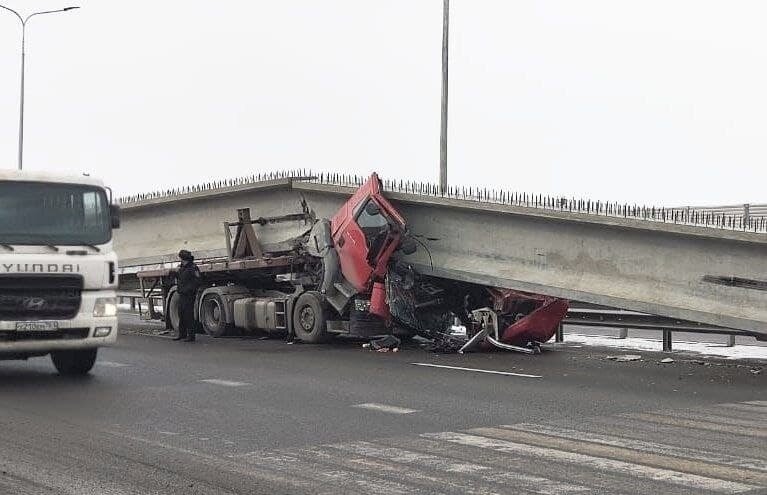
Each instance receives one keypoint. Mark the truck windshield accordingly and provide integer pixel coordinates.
(44, 213)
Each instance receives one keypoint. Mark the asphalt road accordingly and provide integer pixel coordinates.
(248, 416)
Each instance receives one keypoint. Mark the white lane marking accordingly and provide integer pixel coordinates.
(327, 479)
(111, 364)
(225, 383)
(756, 402)
(385, 408)
(407, 457)
(600, 463)
(251, 471)
(492, 372)
(536, 484)
(698, 424)
(642, 446)
(714, 418)
(412, 477)
(749, 408)
(168, 433)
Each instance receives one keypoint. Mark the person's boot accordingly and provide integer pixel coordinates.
(189, 337)
(181, 335)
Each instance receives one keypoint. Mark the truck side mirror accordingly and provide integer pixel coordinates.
(372, 208)
(114, 216)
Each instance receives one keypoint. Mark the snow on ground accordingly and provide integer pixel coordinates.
(704, 348)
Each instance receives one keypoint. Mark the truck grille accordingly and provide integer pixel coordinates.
(40, 297)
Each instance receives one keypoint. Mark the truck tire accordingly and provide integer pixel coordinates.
(75, 362)
(174, 315)
(213, 316)
(309, 320)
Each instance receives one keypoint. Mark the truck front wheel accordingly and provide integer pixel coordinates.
(74, 362)
(309, 322)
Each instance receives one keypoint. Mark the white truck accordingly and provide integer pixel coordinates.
(58, 271)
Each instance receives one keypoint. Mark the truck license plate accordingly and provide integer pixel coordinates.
(36, 326)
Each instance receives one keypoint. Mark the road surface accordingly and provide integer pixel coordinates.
(247, 416)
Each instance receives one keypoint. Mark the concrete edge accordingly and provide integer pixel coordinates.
(211, 194)
(564, 217)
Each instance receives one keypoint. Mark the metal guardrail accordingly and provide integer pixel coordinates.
(582, 314)
(135, 299)
(717, 218)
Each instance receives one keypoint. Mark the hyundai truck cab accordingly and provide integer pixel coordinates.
(58, 270)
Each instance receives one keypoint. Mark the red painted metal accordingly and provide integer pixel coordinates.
(350, 240)
(378, 304)
(539, 325)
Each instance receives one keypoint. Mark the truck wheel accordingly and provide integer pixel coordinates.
(213, 316)
(309, 322)
(174, 315)
(74, 362)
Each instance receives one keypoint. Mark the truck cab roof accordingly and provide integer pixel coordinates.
(37, 176)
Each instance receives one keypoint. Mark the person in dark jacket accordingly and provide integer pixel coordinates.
(188, 281)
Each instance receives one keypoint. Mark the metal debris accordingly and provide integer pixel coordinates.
(625, 358)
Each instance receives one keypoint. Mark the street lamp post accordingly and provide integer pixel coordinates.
(23, 56)
(443, 126)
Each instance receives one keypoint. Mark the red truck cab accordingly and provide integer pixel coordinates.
(366, 231)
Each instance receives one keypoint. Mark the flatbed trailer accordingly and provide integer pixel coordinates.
(349, 276)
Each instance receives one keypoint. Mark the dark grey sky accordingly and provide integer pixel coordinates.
(653, 102)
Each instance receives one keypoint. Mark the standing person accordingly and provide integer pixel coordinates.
(188, 280)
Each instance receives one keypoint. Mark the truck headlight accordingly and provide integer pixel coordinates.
(105, 306)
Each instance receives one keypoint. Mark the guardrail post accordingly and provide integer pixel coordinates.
(730, 340)
(746, 214)
(624, 332)
(667, 345)
(560, 336)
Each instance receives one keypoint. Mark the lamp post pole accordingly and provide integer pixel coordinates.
(443, 127)
(24, 21)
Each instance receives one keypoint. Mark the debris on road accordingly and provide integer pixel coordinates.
(666, 360)
(384, 344)
(625, 358)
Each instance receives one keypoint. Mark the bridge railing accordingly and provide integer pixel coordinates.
(730, 218)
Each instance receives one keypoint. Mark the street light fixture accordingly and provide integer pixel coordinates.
(23, 56)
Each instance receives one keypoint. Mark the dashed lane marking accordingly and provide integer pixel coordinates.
(492, 372)
(386, 408)
(111, 364)
(224, 383)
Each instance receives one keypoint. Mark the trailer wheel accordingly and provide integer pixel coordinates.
(174, 315)
(75, 362)
(309, 321)
(213, 316)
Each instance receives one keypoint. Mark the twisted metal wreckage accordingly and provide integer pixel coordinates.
(349, 275)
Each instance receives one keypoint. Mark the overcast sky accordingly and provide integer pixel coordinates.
(655, 102)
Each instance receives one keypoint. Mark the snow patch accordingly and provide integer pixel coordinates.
(706, 348)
